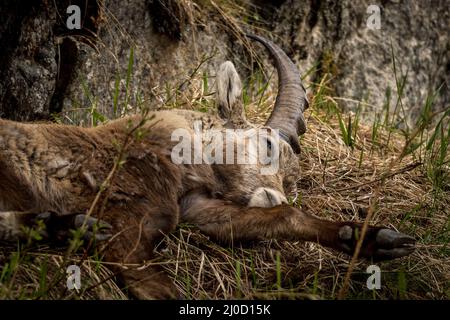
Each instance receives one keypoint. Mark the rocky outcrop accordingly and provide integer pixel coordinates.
(142, 48)
(39, 59)
(334, 35)
(28, 66)
(47, 68)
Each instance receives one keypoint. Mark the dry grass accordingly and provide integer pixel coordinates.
(337, 183)
(41, 274)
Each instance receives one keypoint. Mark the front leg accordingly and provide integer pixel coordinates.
(54, 227)
(226, 221)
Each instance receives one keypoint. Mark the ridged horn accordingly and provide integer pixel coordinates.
(291, 102)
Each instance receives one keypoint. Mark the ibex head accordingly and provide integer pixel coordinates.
(246, 183)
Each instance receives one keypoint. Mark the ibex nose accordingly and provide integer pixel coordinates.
(266, 198)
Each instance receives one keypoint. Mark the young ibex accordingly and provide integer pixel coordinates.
(53, 172)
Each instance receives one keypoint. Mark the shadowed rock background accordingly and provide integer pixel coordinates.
(47, 69)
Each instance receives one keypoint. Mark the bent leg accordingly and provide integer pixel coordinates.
(54, 227)
(137, 228)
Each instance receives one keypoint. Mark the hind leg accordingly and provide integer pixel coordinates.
(137, 228)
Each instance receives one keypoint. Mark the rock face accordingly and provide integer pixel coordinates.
(28, 65)
(38, 59)
(47, 68)
(335, 35)
(145, 45)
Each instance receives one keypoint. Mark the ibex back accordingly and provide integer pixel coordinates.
(54, 172)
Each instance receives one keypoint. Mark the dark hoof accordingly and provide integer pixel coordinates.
(378, 244)
(391, 244)
(94, 229)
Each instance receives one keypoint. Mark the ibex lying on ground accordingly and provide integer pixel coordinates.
(56, 168)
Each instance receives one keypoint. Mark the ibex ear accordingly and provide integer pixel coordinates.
(229, 90)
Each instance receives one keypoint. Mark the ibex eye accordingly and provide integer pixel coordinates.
(269, 144)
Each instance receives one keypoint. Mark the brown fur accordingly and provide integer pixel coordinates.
(56, 168)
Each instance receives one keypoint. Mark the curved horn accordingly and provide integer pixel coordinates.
(291, 101)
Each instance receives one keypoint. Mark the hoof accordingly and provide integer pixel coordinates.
(391, 244)
(379, 243)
